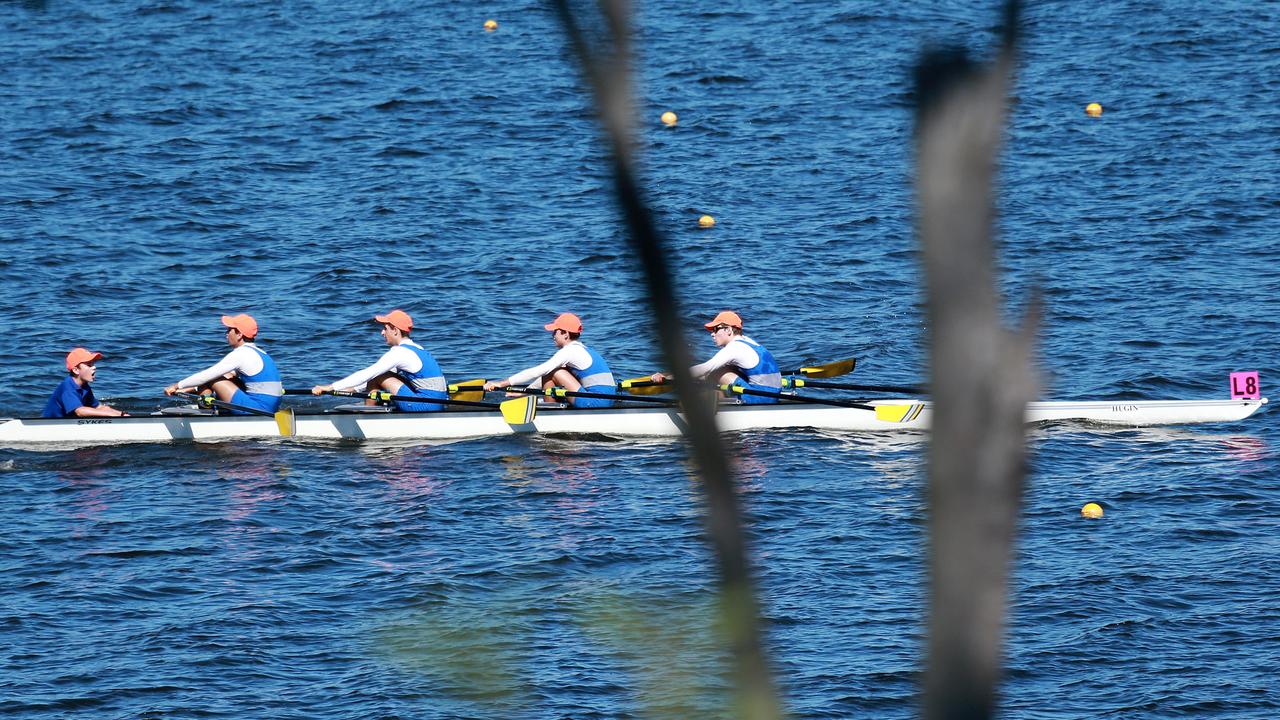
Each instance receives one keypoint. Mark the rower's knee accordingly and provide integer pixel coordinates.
(563, 378)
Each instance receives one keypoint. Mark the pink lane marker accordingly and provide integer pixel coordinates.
(1245, 386)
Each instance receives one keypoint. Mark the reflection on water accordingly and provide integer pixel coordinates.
(1245, 447)
(84, 471)
(406, 471)
(558, 469)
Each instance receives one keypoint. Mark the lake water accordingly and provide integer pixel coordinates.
(313, 163)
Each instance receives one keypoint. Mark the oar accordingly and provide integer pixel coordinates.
(472, 390)
(647, 386)
(795, 382)
(384, 396)
(283, 418)
(831, 369)
(887, 413)
(561, 393)
(518, 411)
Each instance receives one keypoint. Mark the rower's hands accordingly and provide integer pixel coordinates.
(172, 389)
(659, 377)
(496, 385)
(321, 389)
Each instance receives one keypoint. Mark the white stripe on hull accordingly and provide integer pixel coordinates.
(644, 421)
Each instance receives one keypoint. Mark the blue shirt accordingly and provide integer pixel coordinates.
(67, 397)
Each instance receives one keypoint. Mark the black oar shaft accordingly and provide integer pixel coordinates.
(224, 404)
(419, 399)
(384, 395)
(805, 382)
(739, 390)
(831, 369)
(558, 392)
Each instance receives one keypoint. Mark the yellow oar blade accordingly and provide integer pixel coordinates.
(284, 421)
(643, 386)
(899, 413)
(469, 390)
(520, 411)
(832, 369)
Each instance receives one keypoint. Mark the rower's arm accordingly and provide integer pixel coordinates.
(98, 411)
(563, 356)
(734, 354)
(396, 358)
(243, 357)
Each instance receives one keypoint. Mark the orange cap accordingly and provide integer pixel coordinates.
(80, 355)
(247, 326)
(398, 318)
(567, 322)
(726, 317)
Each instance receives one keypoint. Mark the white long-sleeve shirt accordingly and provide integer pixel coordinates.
(244, 360)
(573, 355)
(738, 354)
(397, 358)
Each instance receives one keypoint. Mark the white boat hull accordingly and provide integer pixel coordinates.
(618, 422)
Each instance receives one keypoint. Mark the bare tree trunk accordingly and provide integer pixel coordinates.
(981, 380)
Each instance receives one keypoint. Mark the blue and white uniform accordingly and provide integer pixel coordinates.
(586, 365)
(416, 367)
(253, 367)
(68, 396)
(751, 362)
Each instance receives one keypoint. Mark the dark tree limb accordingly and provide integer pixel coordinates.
(982, 378)
(607, 73)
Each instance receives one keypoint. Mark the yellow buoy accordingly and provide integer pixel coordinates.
(706, 221)
(490, 25)
(1091, 510)
(1093, 109)
(669, 118)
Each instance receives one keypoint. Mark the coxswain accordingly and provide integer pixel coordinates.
(405, 369)
(246, 376)
(73, 397)
(574, 366)
(741, 361)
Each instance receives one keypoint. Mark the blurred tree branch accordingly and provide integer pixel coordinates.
(982, 378)
(607, 72)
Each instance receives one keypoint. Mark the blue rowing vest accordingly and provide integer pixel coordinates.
(763, 376)
(596, 377)
(428, 381)
(264, 386)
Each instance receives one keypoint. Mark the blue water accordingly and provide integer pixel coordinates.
(316, 162)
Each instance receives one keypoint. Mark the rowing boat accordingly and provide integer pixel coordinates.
(355, 422)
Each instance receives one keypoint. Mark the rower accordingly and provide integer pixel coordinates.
(405, 369)
(73, 397)
(246, 376)
(574, 366)
(740, 361)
